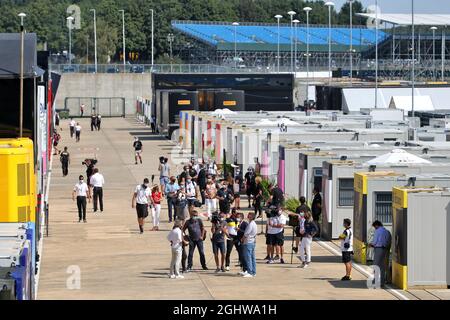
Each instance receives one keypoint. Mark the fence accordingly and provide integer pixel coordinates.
(106, 107)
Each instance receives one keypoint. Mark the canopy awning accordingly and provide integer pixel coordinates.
(406, 19)
(397, 156)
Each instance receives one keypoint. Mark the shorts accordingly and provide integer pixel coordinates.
(347, 256)
(297, 232)
(218, 246)
(163, 180)
(237, 195)
(142, 210)
(275, 239)
(137, 152)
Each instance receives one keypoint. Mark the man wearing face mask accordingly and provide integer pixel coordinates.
(141, 198)
(190, 191)
(171, 192)
(81, 191)
(202, 181)
(224, 198)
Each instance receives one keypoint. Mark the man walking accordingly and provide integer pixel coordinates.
(93, 122)
(81, 192)
(171, 190)
(97, 182)
(153, 124)
(99, 121)
(77, 132)
(64, 157)
(72, 125)
(197, 233)
(82, 110)
(381, 244)
(140, 200)
(164, 173)
(137, 145)
(248, 246)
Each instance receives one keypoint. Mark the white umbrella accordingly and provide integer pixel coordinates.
(397, 156)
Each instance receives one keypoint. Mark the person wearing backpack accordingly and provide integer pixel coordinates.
(64, 157)
(197, 234)
(308, 230)
(381, 243)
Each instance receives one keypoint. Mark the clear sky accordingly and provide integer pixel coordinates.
(404, 6)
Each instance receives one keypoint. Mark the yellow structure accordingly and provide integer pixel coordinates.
(17, 181)
(360, 212)
(400, 232)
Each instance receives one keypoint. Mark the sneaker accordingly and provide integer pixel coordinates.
(267, 257)
(346, 278)
(306, 265)
(222, 269)
(179, 277)
(248, 275)
(217, 270)
(281, 261)
(205, 268)
(135, 163)
(270, 261)
(188, 270)
(242, 273)
(227, 268)
(277, 257)
(302, 265)
(172, 276)
(79, 221)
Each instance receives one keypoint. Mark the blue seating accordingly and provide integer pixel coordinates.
(225, 33)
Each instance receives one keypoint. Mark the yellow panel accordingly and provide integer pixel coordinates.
(360, 183)
(399, 198)
(360, 251)
(184, 102)
(27, 144)
(11, 159)
(229, 103)
(400, 275)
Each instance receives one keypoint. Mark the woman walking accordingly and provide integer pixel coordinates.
(308, 230)
(156, 210)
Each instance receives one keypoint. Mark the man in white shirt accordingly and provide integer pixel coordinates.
(275, 236)
(347, 249)
(72, 125)
(77, 132)
(248, 246)
(141, 198)
(97, 182)
(81, 192)
(191, 191)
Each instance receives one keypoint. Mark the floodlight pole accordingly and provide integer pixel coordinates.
(351, 41)
(22, 40)
(413, 69)
(376, 53)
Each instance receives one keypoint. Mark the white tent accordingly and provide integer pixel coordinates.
(397, 156)
(222, 111)
(421, 103)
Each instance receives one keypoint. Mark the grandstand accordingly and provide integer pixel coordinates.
(257, 43)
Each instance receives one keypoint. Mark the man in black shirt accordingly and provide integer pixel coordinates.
(316, 207)
(224, 198)
(196, 237)
(276, 196)
(137, 144)
(64, 157)
(250, 184)
(201, 181)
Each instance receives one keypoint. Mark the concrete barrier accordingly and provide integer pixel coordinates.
(123, 85)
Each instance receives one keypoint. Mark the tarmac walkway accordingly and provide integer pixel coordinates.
(116, 262)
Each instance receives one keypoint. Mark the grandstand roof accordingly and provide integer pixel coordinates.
(406, 19)
(265, 36)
